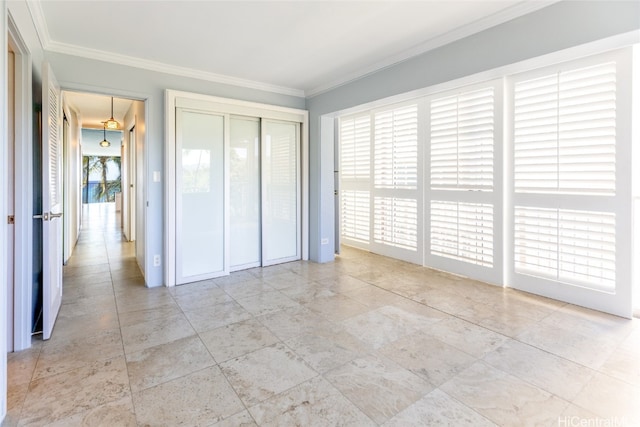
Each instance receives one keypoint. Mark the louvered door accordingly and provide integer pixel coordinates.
(571, 175)
(51, 200)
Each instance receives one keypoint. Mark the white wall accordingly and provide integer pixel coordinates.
(559, 26)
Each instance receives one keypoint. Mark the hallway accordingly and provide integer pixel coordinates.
(366, 340)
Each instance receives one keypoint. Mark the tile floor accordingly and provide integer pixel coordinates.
(366, 340)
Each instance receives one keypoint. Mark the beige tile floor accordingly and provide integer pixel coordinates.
(365, 340)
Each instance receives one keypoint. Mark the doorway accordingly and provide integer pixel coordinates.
(107, 162)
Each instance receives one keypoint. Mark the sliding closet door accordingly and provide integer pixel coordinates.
(280, 192)
(244, 197)
(200, 196)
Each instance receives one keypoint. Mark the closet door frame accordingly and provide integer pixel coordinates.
(266, 261)
(225, 106)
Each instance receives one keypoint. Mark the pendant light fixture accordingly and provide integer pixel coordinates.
(111, 123)
(104, 143)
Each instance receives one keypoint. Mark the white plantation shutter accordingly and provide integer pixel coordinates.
(565, 131)
(355, 147)
(462, 231)
(396, 148)
(536, 241)
(396, 222)
(395, 182)
(462, 140)
(355, 213)
(571, 198)
(379, 160)
(587, 248)
(566, 245)
(355, 179)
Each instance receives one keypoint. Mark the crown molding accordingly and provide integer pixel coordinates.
(160, 67)
(40, 23)
(497, 18)
(474, 27)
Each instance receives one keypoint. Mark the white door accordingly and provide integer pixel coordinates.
(201, 243)
(51, 199)
(10, 197)
(244, 194)
(280, 192)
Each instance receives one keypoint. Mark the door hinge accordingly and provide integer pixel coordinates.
(11, 219)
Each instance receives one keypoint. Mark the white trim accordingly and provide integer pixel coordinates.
(304, 182)
(66, 178)
(169, 188)
(3, 210)
(174, 99)
(24, 189)
(236, 107)
(635, 144)
(505, 15)
(169, 69)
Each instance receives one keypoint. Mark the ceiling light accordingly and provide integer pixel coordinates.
(111, 123)
(104, 143)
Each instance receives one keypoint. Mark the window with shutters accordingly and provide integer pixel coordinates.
(462, 140)
(396, 222)
(355, 147)
(568, 176)
(355, 172)
(565, 131)
(379, 160)
(396, 148)
(462, 231)
(566, 245)
(571, 177)
(395, 186)
(355, 213)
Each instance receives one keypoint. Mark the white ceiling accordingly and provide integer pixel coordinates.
(96, 109)
(297, 47)
(93, 110)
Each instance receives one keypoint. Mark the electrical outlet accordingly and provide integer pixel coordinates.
(156, 260)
